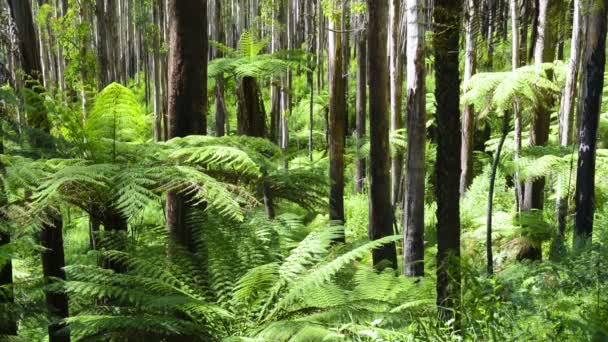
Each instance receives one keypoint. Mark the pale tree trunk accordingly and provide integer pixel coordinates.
(566, 115)
(158, 107)
(468, 115)
(416, 136)
(361, 101)
(380, 209)
(310, 42)
(515, 59)
(594, 67)
(337, 113)
(396, 81)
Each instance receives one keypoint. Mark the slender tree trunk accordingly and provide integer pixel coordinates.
(396, 90)
(505, 131)
(566, 114)
(416, 136)
(380, 210)
(468, 115)
(310, 44)
(361, 102)
(447, 26)
(515, 60)
(337, 114)
(594, 66)
(158, 107)
(102, 46)
(186, 93)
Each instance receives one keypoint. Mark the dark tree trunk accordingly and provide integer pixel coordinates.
(396, 95)
(115, 224)
(251, 118)
(21, 13)
(187, 93)
(505, 131)
(380, 209)
(361, 102)
(220, 104)
(594, 66)
(413, 212)
(337, 113)
(447, 27)
(53, 261)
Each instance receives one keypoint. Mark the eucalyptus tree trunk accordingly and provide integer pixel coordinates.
(515, 60)
(21, 13)
(102, 46)
(361, 100)
(310, 49)
(447, 26)
(158, 107)
(566, 115)
(187, 91)
(251, 116)
(220, 103)
(337, 114)
(346, 59)
(413, 212)
(380, 209)
(490, 33)
(468, 115)
(594, 67)
(396, 90)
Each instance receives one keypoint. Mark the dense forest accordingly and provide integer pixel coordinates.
(303, 170)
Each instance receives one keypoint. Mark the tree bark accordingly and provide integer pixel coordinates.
(566, 114)
(187, 93)
(396, 98)
(380, 209)
(416, 137)
(337, 116)
(21, 13)
(53, 262)
(251, 115)
(220, 103)
(447, 26)
(594, 67)
(468, 115)
(361, 101)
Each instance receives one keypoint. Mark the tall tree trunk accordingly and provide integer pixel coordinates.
(158, 106)
(468, 115)
(220, 103)
(416, 136)
(447, 27)
(361, 101)
(21, 13)
(396, 90)
(102, 46)
(187, 94)
(337, 114)
(310, 45)
(594, 66)
(566, 114)
(515, 60)
(380, 210)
